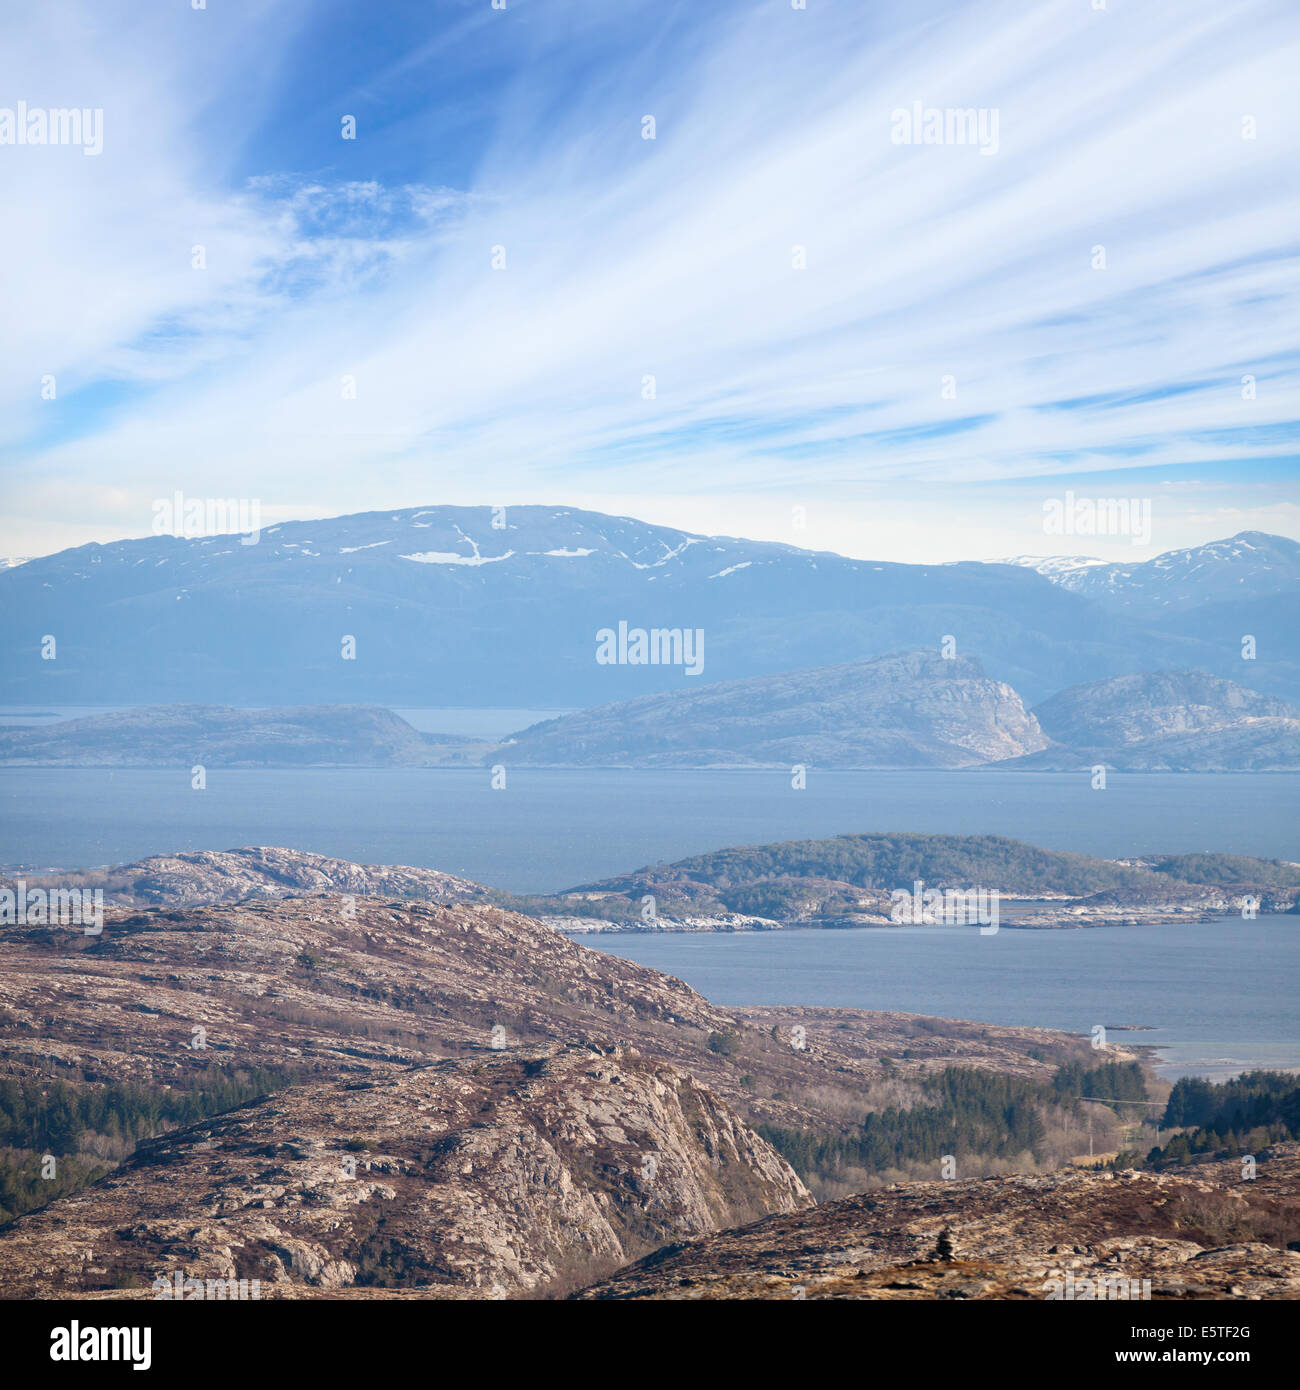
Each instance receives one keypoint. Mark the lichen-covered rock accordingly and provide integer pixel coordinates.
(191, 878)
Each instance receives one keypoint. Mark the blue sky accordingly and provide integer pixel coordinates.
(940, 356)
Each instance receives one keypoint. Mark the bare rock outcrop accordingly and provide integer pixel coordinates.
(456, 1100)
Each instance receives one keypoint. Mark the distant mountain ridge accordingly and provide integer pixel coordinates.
(479, 606)
(1251, 564)
(918, 709)
(1131, 709)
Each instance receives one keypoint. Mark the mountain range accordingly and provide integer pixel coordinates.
(476, 606)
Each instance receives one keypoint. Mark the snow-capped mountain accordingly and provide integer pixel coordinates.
(474, 606)
(1251, 564)
(1058, 568)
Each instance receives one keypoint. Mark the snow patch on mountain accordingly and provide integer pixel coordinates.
(449, 557)
(1054, 567)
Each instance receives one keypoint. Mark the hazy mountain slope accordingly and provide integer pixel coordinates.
(1169, 721)
(906, 710)
(1270, 623)
(1252, 745)
(218, 736)
(1131, 709)
(446, 609)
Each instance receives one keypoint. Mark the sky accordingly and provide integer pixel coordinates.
(776, 318)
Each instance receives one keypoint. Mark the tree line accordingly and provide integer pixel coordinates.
(80, 1125)
(968, 1111)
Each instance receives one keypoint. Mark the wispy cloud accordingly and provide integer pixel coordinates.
(942, 320)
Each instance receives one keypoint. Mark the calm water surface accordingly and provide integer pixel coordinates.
(554, 829)
(1219, 997)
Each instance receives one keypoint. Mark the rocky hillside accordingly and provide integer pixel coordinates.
(219, 736)
(509, 1172)
(912, 709)
(329, 988)
(1198, 1232)
(504, 1083)
(195, 877)
(1169, 721)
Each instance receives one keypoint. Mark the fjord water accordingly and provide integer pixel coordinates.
(550, 829)
(1217, 998)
